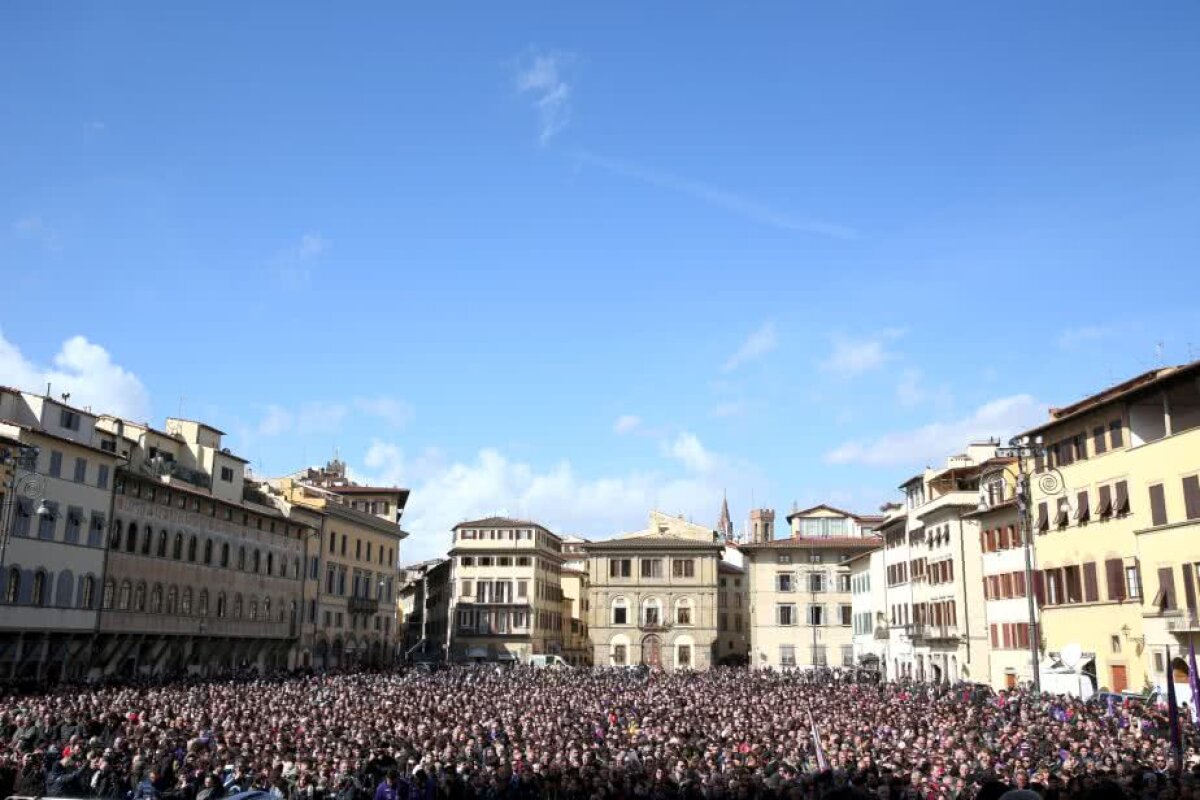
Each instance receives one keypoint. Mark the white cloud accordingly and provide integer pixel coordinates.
(930, 443)
(627, 423)
(389, 410)
(294, 264)
(1075, 337)
(688, 450)
(757, 344)
(914, 389)
(321, 416)
(83, 369)
(733, 408)
(540, 75)
(851, 357)
(35, 229)
(446, 493)
(95, 126)
(718, 197)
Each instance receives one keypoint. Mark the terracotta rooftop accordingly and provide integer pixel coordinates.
(868, 542)
(367, 489)
(503, 522)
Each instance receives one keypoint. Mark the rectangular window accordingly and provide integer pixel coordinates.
(102, 476)
(620, 567)
(522, 588)
(1166, 589)
(785, 614)
(1158, 505)
(1115, 434)
(80, 470)
(819, 656)
(815, 557)
(787, 655)
(68, 419)
(783, 582)
(816, 581)
(1191, 497)
(467, 588)
(1091, 589)
(816, 614)
(650, 615)
(783, 558)
(1104, 506)
(227, 474)
(652, 568)
(845, 614)
(1099, 444)
(683, 615)
(683, 568)
(1133, 583)
(843, 582)
(55, 464)
(1121, 503)
(618, 655)
(620, 615)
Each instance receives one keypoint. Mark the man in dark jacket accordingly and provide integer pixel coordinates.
(147, 788)
(63, 779)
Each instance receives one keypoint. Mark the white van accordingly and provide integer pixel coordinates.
(548, 662)
(1183, 694)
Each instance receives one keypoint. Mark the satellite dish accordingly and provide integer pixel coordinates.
(1071, 654)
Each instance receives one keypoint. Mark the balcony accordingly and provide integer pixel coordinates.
(655, 626)
(363, 605)
(934, 633)
(1187, 622)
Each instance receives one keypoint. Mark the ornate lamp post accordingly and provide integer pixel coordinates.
(24, 484)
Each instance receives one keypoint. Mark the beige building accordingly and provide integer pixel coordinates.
(1116, 512)
(799, 590)
(423, 601)
(577, 645)
(352, 604)
(733, 640)
(653, 596)
(507, 598)
(60, 475)
(201, 574)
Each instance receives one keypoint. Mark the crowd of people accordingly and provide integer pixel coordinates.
(483, 732)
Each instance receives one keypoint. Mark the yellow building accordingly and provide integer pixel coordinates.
(1117, 542)
(733, 641)
(352, 606)
(799, 590)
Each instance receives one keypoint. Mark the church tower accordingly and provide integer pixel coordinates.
(725, 522)
(762, 525)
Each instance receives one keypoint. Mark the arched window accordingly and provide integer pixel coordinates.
(208, 551)
(131, 538)
(620, 611)
(162, 543)
(115, 538)
(12, 588)
(192, 549)
(296, 568)
(257, 562)
(253, 610)
(242, 559)
(147, 535)
(123, 596)
(173, 600)
(652, 611)
(139, 597)
(88, 594)
(224, 554)
(270, 563)
(185, 603)
(684, 611)
(237, 606)
(202, 603)
(110, 589)
(38, 596)
(156, 599)
(267, 609)
(64, 590)
(177, 550)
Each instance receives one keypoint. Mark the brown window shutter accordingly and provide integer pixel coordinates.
(1166, 586)
(1039, 587)
(1191, 497)
(1158, 505)
(1115, 575)
(1082, 512)
(1122, 501)
(1116, 434)
(995, 636)
(1091, 592)
(1039, 463)
(1189, 588)
(1043, 520)
(1020, 582)
(1105, 505)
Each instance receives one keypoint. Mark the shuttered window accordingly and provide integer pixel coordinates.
(1114, 574)
(1104, 506)
(1043, 521)
(1098, 441)
(1091, 592)
(1191, 497)
(1158, 505)
(1122, 501)
(1082, 511)
(1166, 589)
(1115, 434)
(1189, 588)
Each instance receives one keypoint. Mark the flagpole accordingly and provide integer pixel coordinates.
(1173, 717)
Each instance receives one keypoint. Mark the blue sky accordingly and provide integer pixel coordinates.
(572, 262)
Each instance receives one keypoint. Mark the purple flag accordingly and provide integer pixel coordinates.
(1173, 717)
(1194, 682)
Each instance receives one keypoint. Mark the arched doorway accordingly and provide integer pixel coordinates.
(652, 651)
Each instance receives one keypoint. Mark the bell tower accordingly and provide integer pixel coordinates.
(762, 525)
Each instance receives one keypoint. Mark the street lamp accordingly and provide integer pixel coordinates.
(1051, 483)
(28, 486)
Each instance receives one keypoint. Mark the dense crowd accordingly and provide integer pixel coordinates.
(586, 735)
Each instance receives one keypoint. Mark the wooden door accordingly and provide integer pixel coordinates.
(1010, 680)
(1119, 681)
(652, 651)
